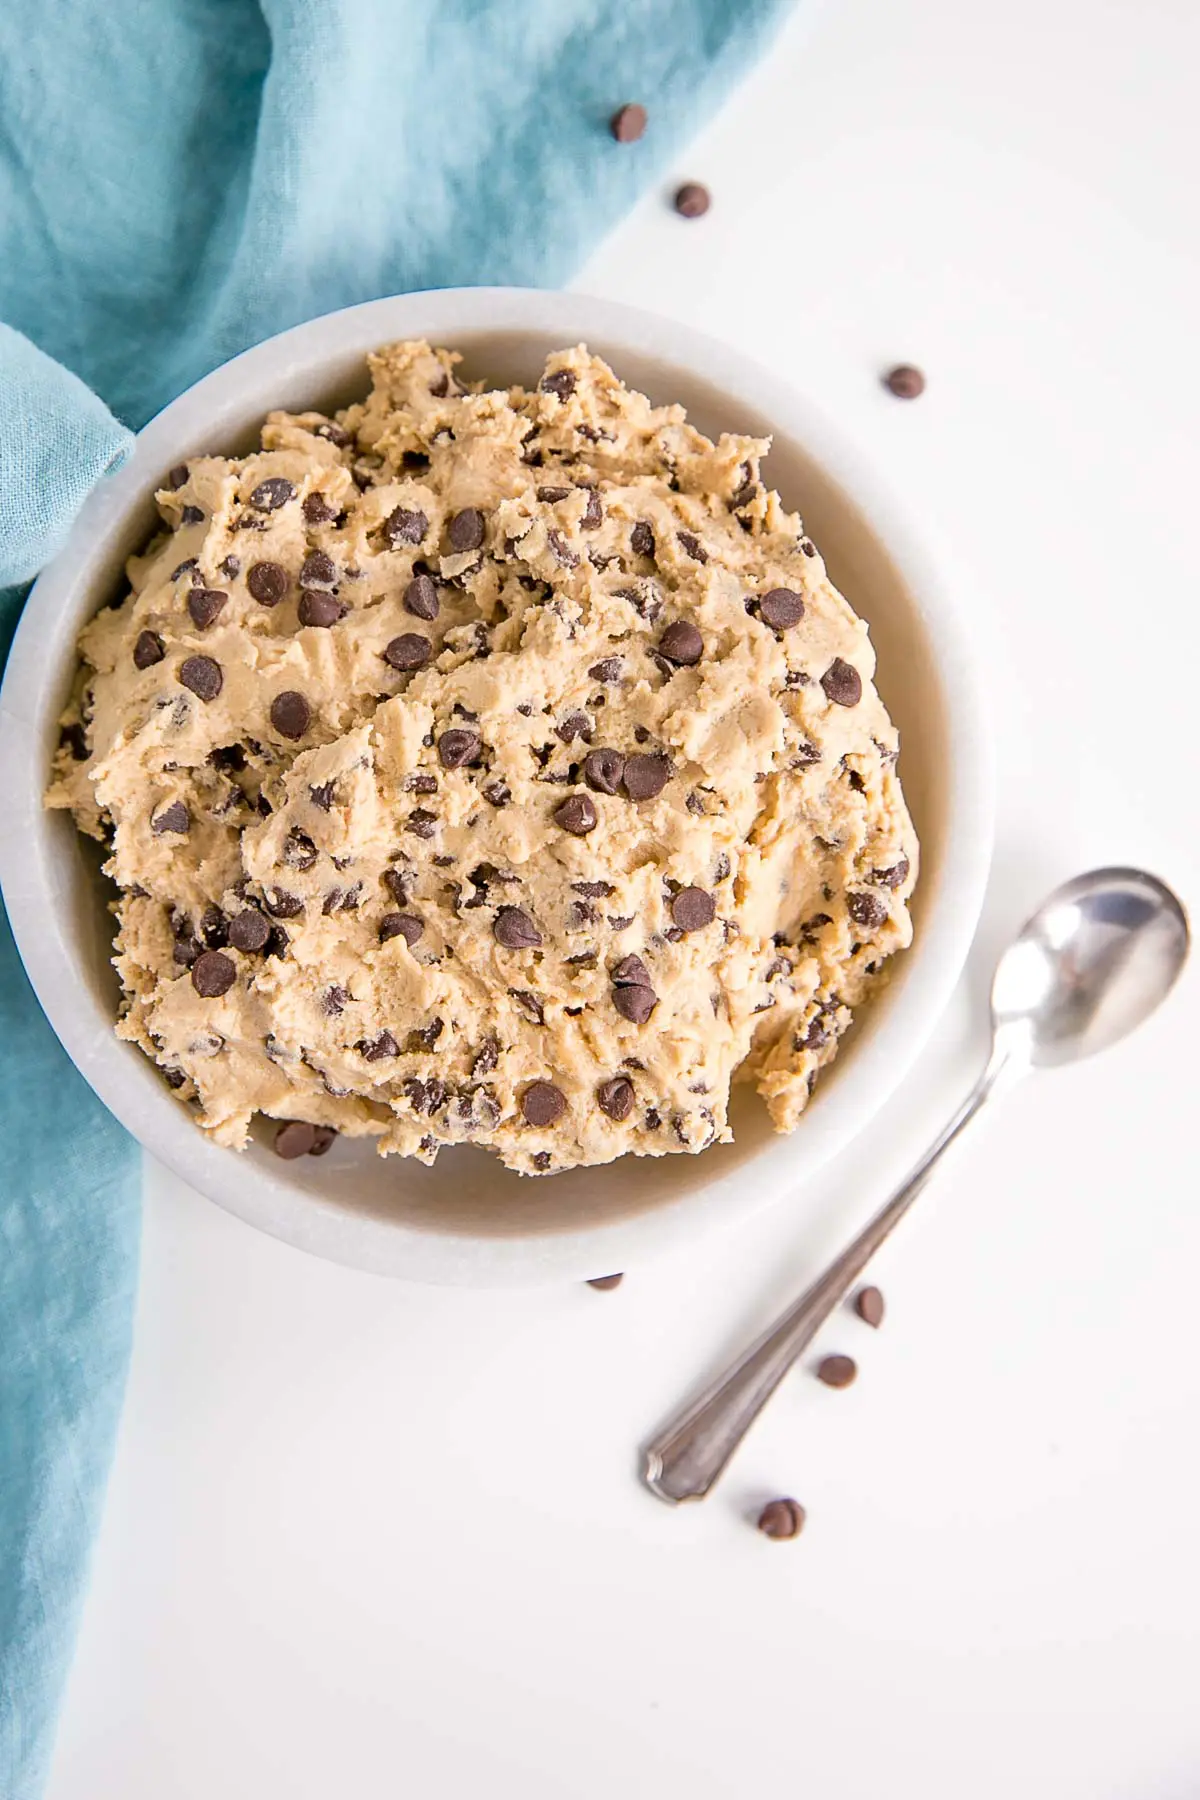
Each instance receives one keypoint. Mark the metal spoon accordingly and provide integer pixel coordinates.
(1092, 963)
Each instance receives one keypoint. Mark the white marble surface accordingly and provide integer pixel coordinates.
(365, 1539)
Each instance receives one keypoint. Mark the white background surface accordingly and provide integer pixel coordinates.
(368, 1539)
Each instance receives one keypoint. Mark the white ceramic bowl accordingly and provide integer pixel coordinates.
(468, 1220)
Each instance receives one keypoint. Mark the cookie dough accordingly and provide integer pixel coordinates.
(489, 766)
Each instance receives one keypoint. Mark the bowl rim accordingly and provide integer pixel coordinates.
(325, 1227)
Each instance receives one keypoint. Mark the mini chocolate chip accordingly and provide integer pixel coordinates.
(213, 974)
(868, 1304)
(296, 1138)
(408, 651)
(268, 582)
(837, 1371)
(177, 477)
(561, 550)
(905, 382)
(549, 496)
(893, 877)
(607, 670)
(781, 608)
(692, 200)
(191, 515)
(248, 930)
(299, 851)
(377, 1048)
(497, 793)
(282, 905)
(681, 643)
(842, 683)
(408, 527)
(692, 909)
(270, 495)
(635, 1003)
(530, 1005)
(458, 747)
(405, 925)
(317, 570)
(806, 755)
(628, 123)
(465, 529)
(593, 512)
(148, 650)
(204, 604)
(615, 1097)
(230, 566)
(189, 562)
(602, 770)
(576, 815)
(631, 971)
(641, 539)
(202, 676)
(291, 714)
(421, 597)
(561, 382)
(604, 1284)
(867, 910)
(646, 776)
(781, 1519)
(317, 510)
(319, 607)
(576, 724)
(513, 929)
(421, 823)
(542, 1103)
(594, 890)
(173, 818)
(692, 545)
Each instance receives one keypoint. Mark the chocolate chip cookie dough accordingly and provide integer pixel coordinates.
(488, 766)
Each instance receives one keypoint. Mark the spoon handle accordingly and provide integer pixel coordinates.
(684, 1459)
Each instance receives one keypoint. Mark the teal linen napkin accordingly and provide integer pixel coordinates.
(178, 181)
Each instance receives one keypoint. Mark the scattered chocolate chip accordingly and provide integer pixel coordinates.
(577, 815)
(213, 974)
(202, 676)
(333, 433)
(893, 877)
(204, 604)
(867, 910)
(299, 851)
(692, 909)
(513, 929)
(319, 607)
(291, 714)
(681, 643)
(868, 1304)
(806, 755)
(561, 382)
(781, 608)
(377, 1048)
(458, 747)
(549, 496)
(296, 1138)
(593, 512)
(646, 776)
(270, 495)
(409, 527)
(74, 738)
(465, 529)
(317, 510)
(607, 670)
(248, 930)
(230, 566)
(191, 515)
(593, 890)
(421, 823)
(268, 582)
(421, 597)
(177, 477)
(837, 1371)
(781, 1519)
(189, 563)
(173, 818)
(281, 904)
(420, 783)
(693, 547)
(604, 1284)
(561, 550)
(842, 683)
(529, 1004)
(631, 971)
(641, 539)
(323, 1136)
(615, 1097)
(905, 382)
(497, 793)
(542, 1103)
(318, 570)
(602, 770)
(405, 925)
(628, 123)
(692, 200)
(148, 650)
(408, 651)
(634, 1002)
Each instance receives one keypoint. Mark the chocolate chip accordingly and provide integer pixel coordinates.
(319, 607)
(893, 877)
(576, 724)
(905, 382)
(177, 477)
(408, 651)
(561, 550)
(806, 755)
(868, 1304)
(213, 974)
(322, 796)
(405, 925)
(781, 608)
(421, 597)
(317, 510)
(631, 971)
(230, 566)
(692, 200)
(202, 676)
(513, 929)
(268, 582)
(576, 815)
(421, 823)
(270, 495)
(549, 496)
(529, 1004)
(248, 930)
(296, 1138)
(173, 818)
(497, 793)
(867, 910)
(641, 539)
(317, 570)
(628, 123)
(191, 515)
(781, 1519)
(692, 545)
(604, 1284)
(465, 529)
(634, 1002)
(646, 776)
(842, 683)
(323, 1136)
(602, 770)
(542, 1103)
(377, 1048)
(692, 909)
(607, 670)
(560, 383)
(594, 890)
(409, 527)
(681, 643)
(837, 1371)
(282, 905)
(148, 650)
(593, 512)
(299, 851)
(615, 1097)
(458, 747)
(291, 714)
(188, 563)
(74, 738)
(204, 604)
